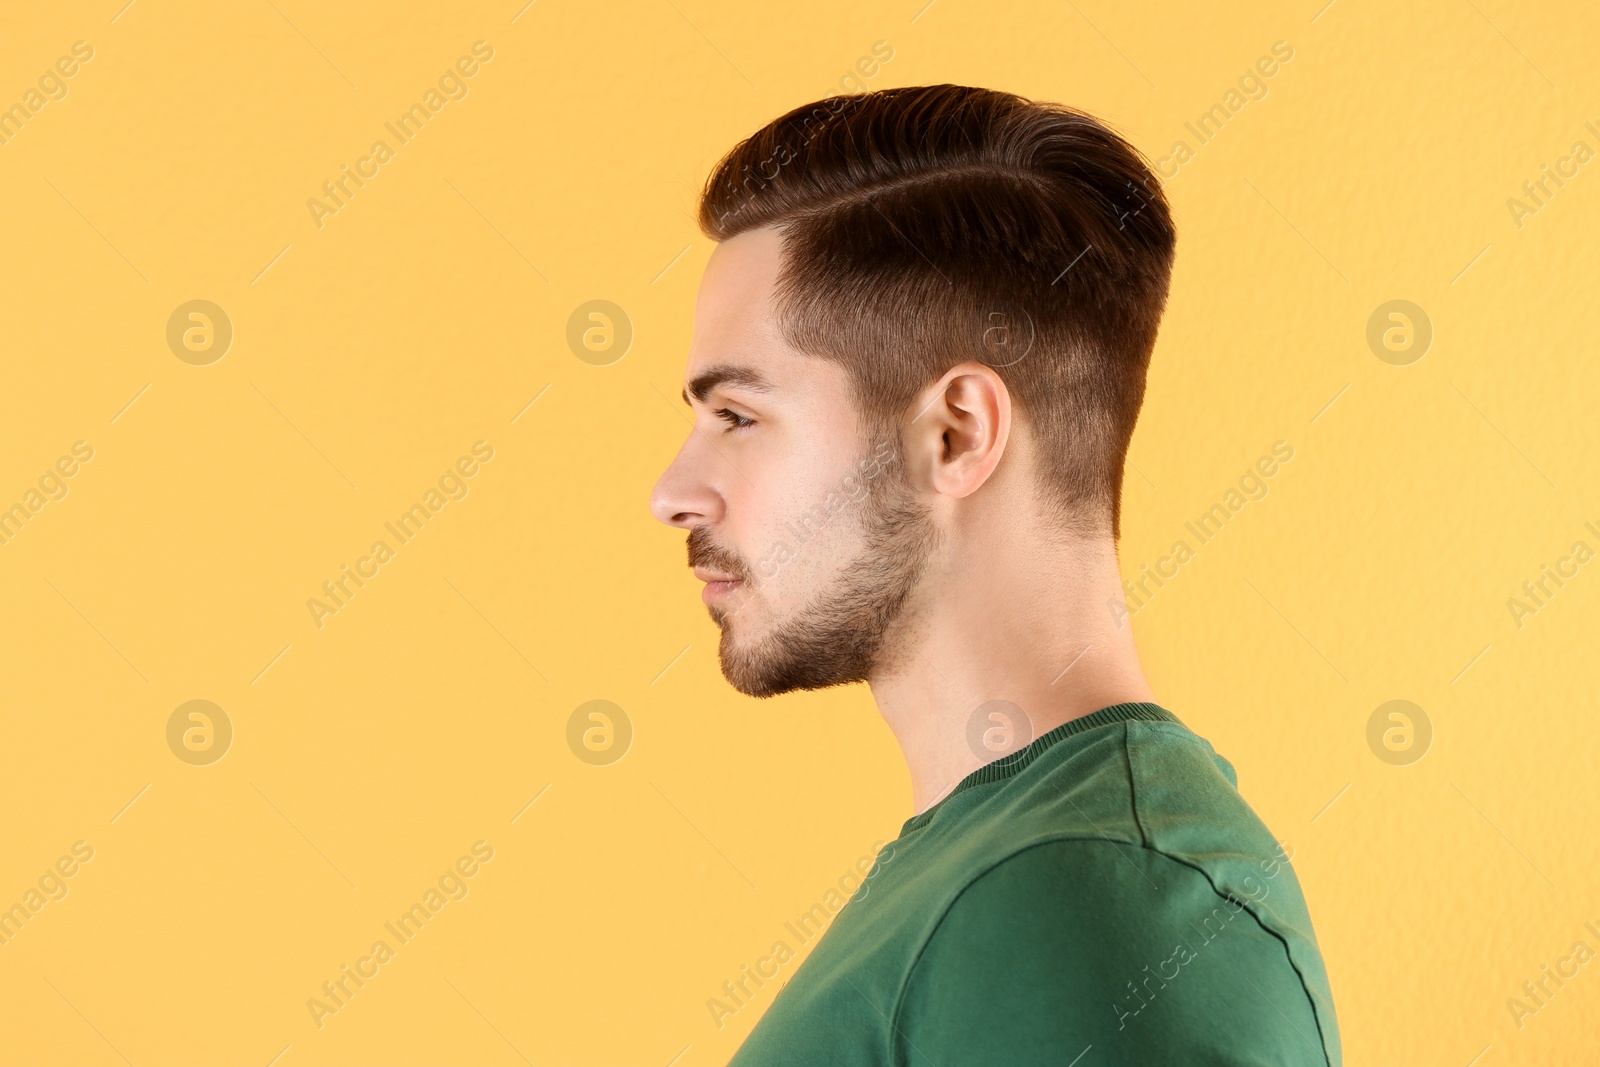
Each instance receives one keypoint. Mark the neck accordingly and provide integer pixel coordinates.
(1029, 627)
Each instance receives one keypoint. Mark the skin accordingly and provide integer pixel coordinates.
(935, 576)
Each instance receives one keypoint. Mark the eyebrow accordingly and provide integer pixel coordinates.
(726, 374)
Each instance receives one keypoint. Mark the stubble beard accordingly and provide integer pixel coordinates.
(845, 630)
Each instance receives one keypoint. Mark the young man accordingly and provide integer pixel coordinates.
(919, 352)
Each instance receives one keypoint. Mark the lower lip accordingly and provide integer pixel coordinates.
(717, 589)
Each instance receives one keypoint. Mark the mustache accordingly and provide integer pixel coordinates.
(703, 552)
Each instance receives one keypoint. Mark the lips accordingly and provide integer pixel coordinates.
(717, 583)
(714, 590)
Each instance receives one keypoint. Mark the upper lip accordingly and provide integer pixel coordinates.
(713, 576)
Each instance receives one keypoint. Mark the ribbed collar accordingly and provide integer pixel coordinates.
(1007, 766)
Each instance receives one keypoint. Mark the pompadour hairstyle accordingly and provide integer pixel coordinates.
(930, 225)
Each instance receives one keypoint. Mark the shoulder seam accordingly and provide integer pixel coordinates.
(1133, 785)
(1182, 733)
(905, 979)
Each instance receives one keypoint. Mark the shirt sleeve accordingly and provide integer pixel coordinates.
(1084, 953)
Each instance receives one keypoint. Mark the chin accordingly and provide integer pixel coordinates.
(745, 667)
(769, 665)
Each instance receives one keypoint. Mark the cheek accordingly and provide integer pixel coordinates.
(822, 531)
(793, 517)
(794, 541)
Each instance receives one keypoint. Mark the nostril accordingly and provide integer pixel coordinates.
(683, 495)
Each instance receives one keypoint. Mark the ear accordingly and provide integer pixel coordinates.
(958, 433)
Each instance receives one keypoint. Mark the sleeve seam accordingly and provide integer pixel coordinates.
(927, 939)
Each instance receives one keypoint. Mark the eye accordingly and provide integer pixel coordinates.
(735, 420)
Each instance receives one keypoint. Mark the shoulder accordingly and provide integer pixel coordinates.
(1076, 942)
(1082, 893)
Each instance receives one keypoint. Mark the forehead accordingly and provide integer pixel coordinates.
(736, 337)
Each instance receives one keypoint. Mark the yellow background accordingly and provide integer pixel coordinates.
(428, 312)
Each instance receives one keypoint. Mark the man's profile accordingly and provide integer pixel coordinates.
(920, 350)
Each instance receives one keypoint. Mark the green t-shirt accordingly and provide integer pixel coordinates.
(1102, 896)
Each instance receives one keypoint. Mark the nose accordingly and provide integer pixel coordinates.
(684, 496)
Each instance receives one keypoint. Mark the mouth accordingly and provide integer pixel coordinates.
(717, 585)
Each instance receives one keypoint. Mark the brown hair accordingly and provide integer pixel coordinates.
(929, 225)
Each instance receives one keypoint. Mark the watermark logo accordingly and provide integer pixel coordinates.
(199, 733)
(199, 332)
(599, 732)
(1399, 332)
(1399, 732)
(599, 332)
(998, 728)
(1006, 335)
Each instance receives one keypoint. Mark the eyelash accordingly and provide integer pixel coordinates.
(735, 420)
